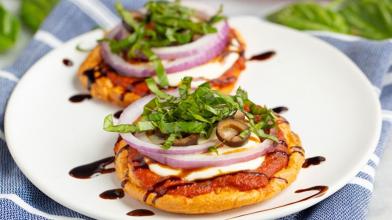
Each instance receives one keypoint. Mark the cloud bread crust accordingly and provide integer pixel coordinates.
(221, 198)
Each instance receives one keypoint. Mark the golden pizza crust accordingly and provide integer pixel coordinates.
(103, 88)
(222, 198)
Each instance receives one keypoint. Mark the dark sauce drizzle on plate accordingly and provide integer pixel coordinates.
(280, 109)
(118, 114)
(112, 194)
(79, 98)
(320, 190)
(140, 212)
(313, 161)
(263, 56)
(89, 170)
(67, 62)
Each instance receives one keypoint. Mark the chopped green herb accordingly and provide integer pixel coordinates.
(218, 16)
(213, 149)
(154, 89)
(196, 112)
(169, 141)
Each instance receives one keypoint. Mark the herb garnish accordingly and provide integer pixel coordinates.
(164, 24)
(213, 149)
(196, 112)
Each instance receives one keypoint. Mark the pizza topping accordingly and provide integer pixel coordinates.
(233, 133)
(184, 125)
(167, 38)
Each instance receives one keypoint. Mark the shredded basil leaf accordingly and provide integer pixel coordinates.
(154, 89)
(213, 149)
(124, 128)
(184, 87)
(169, 141)
(218, 16)
(196, 112)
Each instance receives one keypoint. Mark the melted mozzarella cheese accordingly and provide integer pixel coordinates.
(208, 71)
(209, 172)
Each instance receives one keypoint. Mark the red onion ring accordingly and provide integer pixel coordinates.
(205, 43)
(185, 157)
(213, 46)
(133, 112)
(210, 160)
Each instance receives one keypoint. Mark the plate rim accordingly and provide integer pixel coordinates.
(271, 214)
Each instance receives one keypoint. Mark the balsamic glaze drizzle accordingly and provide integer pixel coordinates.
(79, 98)
(263, 56)
(67, 62)
(321, 190)
(112, 194)
(140, 212)
(280, 109)
(89, 170)
(313, 161)
(118, 114)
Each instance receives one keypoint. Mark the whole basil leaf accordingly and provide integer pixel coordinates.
(9, 29)
(369, 18)
(34, 12)
(310, 16)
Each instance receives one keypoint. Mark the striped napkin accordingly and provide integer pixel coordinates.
(19, 199)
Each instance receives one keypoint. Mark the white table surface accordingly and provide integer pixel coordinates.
(381, 203)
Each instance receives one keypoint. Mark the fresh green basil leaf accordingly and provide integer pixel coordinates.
(310, 16)
(126, 16)
(122, 128)
(213, 149)
(9, 29)
(262, 134)
(369, 18)
(218, 16)
(169, 141)
(34, 12)
(185, 86)
(181, 127)
(154, 89)
(117, 46)
(161, 73)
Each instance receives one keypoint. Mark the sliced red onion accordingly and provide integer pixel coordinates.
(192, 54)
(185, 157)
(205, 43)
(211, 160)
(133, 112)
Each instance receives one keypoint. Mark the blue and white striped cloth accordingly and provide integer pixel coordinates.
(19, 199)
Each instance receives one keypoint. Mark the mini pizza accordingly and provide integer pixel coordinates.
(202, 151)
(166, 41)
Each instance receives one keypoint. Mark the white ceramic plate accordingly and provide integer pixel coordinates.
(332, 107)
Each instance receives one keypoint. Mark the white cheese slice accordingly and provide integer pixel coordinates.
(209, 172)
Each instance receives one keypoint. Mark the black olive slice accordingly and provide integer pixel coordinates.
(186, 141)
(238, 115)
(228, 132)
